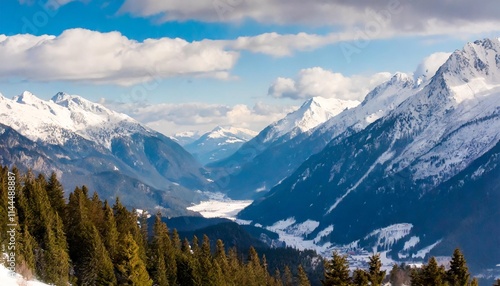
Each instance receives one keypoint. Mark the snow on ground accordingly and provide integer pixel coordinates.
(423, 252)
(323, 233)
(387, 236)
(7, 278)
(294, 235)
(218, 205)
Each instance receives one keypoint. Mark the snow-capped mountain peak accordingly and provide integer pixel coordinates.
(460, 102)
(50, 121)
(230, 131)
(219, 143)
(312, 113)
(27, 98)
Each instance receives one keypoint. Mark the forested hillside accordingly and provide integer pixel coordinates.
(87, 241)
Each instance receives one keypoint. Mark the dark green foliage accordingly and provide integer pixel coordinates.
(302, 277)
(161, 255)
(458, 274)
(287, 277)
(94, 244)
(360, 278)
(433, 274)
(130, 268)
(55, 192)
(336, 271)
(109, 232)
(375, 275)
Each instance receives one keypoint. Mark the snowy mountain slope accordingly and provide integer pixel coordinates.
(48, 121)
(279, 160)
(312, 113)
(219, 143)
(432, 162)
(79, 140)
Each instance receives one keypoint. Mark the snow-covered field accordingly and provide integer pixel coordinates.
(7, 279)
(219, 205)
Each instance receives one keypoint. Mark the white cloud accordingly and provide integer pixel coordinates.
(429, 65)
(401, 16)
(90, 56)
(173, 118)
(320, 82)
(282, 45)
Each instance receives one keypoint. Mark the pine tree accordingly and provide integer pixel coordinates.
(176, 241)
(87, 251)
(474, 282)
(497, 283)
(208, 276)
(255, 266)
(96, 212)
(185, 266)
(55, 192)
(277, 278)
(458, 274)
(336, 271)
(109, 232)
(126, 222)
(360, 278)
(417, 277)
(55, 264)
(375, 275)
(221, 259)
(162, 253)
(129, 265)
(96, 267)
(235, 267)
(302, 277)
(287, 277)
(433, 274)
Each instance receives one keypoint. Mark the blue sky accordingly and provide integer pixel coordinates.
(217, 60)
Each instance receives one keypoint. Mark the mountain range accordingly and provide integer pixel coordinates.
(86, 143)
(412, 171)
(263, 161)
(219, 143)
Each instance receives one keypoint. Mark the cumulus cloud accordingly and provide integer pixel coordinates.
(90, 56)
(320, 82)
(282, 45)
(94, 57)
(173, 118)
(429, 66)
(425, 16)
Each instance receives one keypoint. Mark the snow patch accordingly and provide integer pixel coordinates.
(323, 233)
(387, 236)
(219, 205)
(424, 251)
(412, 242)
(9, 278)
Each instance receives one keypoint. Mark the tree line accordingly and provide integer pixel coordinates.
(337, 273)
(87, 241)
